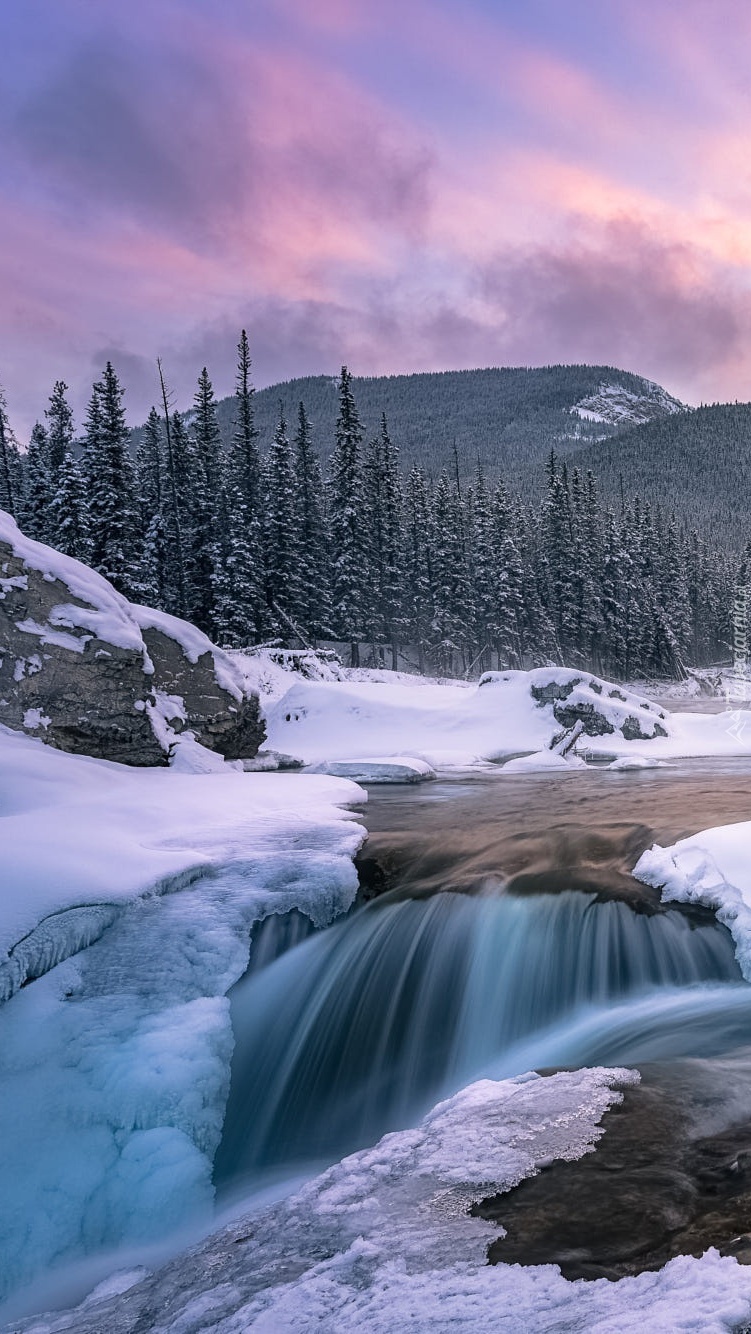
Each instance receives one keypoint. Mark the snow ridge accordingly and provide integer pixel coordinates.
(615, 405)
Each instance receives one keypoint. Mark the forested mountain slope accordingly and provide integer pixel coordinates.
(508, 418)
(697, 464)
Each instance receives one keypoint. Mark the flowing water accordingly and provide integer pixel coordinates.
(505, 933)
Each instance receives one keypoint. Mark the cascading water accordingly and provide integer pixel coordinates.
(359, 1029)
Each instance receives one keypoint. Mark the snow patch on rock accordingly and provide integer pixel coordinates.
(615, 405)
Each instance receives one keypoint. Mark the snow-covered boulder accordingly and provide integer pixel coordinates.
(579, 697)
(451, 724)
(89, 672)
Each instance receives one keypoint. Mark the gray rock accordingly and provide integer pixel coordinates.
(79, 669)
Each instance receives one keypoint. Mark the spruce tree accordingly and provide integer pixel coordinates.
(10, 463)
(418, 564)
(205, 478)
(59, 428)
(241, 612)
(281, 534)
(452, 608)
(487, 573)
(392, 550)
(314, 594)
(346, 513)
(614, 581)
(35, 514)
(150, 469)
(174, 508)
(70, 510)
(114, 525)
(244, 461)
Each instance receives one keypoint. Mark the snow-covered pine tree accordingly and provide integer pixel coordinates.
(346, 517)
(515, 630)
(372, 524)
(392, 538)
(35, 514)
(178, 512)
(314, 605)
(488, 568)
(418, 571)
(205, 505)
(59, 428)
(71, 511)
(281, 534)
(241, 613)
(150, 469)
(10, 463)
(175, 515)
(560, 556)
(613, 582)
(111, 487)
(673, 588)
(150, 491)
(452, 609)
(587, 612)
(528, 532)
(244, 460)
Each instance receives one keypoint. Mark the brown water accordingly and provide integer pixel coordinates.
(585, 830)
(672, 1173)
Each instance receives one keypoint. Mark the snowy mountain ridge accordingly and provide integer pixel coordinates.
(615, 405)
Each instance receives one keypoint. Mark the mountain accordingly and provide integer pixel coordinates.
(697, 463)
(508, 418)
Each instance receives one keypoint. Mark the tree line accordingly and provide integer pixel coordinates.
(254, 546)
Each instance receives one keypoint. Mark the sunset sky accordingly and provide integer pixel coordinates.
(409, 185)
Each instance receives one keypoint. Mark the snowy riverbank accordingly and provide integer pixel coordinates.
(134, 892)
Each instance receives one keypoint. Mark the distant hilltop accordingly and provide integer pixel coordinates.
(506, 418)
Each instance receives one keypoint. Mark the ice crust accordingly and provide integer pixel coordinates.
(114, 1065)
(382, 1240)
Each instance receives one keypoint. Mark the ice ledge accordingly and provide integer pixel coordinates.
(689, 873)
(64, 933)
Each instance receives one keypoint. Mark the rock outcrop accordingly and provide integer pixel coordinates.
(91, 673)
(601, 707)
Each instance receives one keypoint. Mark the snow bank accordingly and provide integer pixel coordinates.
(114, 1065)
(387, 769)
(112, 833)
(712, 868)
(542, 760)
(690, 735)
(508, 714)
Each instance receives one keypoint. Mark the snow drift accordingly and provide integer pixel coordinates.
(507, 714)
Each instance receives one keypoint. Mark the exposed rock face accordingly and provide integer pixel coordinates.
(601, 707)
(88, 672)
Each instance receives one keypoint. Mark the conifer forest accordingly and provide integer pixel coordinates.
(255, 542)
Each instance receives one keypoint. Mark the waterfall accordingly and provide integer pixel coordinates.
(358, 1029)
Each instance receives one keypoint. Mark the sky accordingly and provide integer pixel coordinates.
(400, 185)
